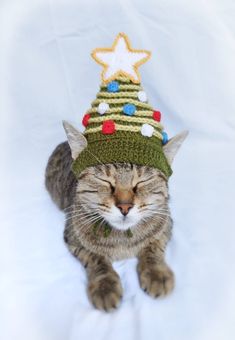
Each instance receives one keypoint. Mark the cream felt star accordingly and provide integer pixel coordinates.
(120, 60)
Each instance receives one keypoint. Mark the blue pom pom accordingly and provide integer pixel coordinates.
(129, 109)
(113, 86)
(164, 138)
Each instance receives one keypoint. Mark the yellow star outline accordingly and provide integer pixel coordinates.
(120, 60)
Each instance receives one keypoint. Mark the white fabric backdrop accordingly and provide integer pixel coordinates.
(47, 75)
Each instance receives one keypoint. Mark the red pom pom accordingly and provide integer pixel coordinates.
(157, 116)
(85, 119)
(108, 127)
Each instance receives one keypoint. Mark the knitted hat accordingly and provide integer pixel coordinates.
(121, 126)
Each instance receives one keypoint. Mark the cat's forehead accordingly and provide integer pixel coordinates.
(132, 174)
(124, 172)
(122, 169)
(137, 170)
(128, 171)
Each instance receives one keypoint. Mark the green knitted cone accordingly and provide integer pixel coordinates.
(121, 126)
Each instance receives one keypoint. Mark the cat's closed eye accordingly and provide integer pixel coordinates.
(134, 189)
(107, 183)
(142, 184)
(112, 188)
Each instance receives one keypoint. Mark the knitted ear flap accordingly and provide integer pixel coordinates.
(76, 140)
(171, 147)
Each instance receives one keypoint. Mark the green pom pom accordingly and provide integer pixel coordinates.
(129, 233)
(107, 230)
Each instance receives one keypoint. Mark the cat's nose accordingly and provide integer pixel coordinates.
(124, 208)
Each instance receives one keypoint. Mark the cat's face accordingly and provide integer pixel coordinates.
(122, 194)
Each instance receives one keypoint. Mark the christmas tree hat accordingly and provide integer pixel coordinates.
(121, 126)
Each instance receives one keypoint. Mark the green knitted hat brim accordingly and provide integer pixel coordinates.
(122, 147)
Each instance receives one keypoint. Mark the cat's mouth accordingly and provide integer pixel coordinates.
(116, 220)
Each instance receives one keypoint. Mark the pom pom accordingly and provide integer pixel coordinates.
(164, 138)
(113, 86)
(157, 116)
(102, 108)
(85, 119)
(108, 127)
(129, 109)
(142, 96)
(147, 130)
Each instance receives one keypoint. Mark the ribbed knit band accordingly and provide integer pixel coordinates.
(122, 147)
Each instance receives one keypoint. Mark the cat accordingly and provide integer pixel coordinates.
(113, 212)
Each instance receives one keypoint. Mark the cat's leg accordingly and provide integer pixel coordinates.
(155, 277)
(104, 286)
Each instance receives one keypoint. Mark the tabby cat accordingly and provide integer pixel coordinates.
(113, 212)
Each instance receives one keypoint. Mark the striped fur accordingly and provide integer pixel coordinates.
(92, 199)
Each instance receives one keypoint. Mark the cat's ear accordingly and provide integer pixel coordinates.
(171, 147)
(76, 140)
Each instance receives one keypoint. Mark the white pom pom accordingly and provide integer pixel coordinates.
(102, 108)
(142, 96)
(147, 130)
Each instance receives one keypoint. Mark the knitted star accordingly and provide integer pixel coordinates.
(120, 60)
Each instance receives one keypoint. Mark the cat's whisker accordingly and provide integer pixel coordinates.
(83, 224)
(82, 213)
(87, 217)
(87, 208)
(160, 216)
(82, 217)
(156, 216)
(101, 219)
(85, 212)
(161, 213)
(74, 206)
(69, 207)
(87, 225)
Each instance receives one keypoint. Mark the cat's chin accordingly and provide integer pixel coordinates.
(122, 225)
(117, 221)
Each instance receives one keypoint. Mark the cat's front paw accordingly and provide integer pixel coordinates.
(157, 281)
(105, 292)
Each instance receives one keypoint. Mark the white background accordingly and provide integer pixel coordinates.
(47, 75)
